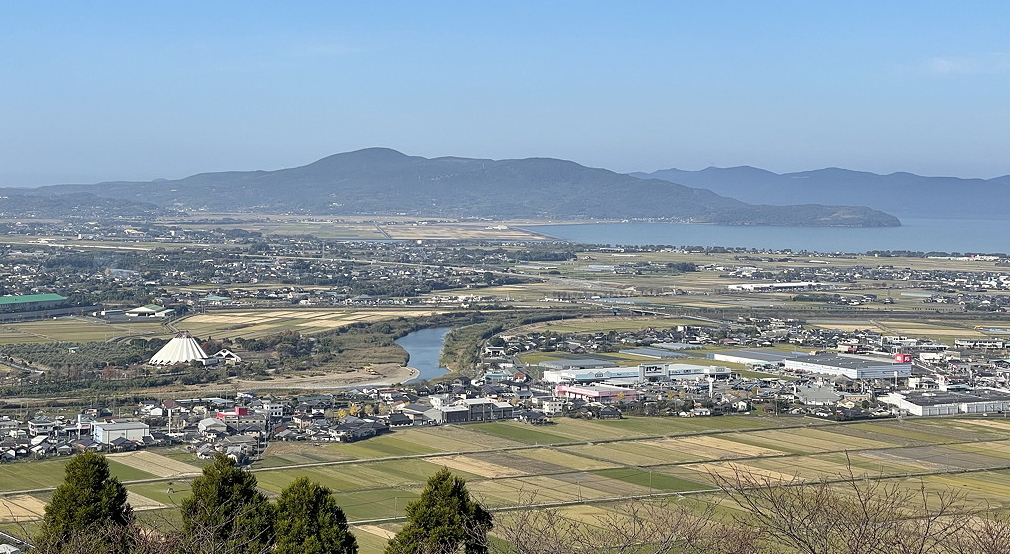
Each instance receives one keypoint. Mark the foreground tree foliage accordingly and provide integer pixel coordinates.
(88, 512)
(856, 514)
(851, 514)
(310, 522)
(655, 526)
(225, 513)
(443, 520)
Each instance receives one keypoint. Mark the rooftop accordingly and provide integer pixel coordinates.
(933, 398)
(847, 362)
(770, 356)
(25, 298)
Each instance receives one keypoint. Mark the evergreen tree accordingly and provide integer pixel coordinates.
(226, 513)
(310, 522)
(88, 512)
(443, 520)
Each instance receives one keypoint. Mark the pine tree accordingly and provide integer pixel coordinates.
(88, 512)
(310, 522)
(443, 520)
(226, 513)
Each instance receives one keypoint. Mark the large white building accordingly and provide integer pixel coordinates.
(105, 433)
(936, 403)
(643, 372)
(752, 287)
(183, 348)
(598, 392)
(681, 372)
(589, 375)
(751, 357)
(853, 367)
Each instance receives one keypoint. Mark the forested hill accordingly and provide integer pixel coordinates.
(384, 181)
(905, 194)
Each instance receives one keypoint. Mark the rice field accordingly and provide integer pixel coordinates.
(579, 463)
(223, 323)
(252, 324)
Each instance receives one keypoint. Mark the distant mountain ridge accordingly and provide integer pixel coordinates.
(905, 194)
(382, 181)
(77, 205)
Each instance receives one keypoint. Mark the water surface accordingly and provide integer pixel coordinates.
(424, 348)
(920, 235)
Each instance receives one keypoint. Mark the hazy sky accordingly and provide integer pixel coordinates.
(133, 90)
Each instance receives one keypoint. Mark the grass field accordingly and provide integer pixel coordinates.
(76, 329)
(586, 462)
(49, 473)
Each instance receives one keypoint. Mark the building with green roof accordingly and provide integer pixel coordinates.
(31, 302)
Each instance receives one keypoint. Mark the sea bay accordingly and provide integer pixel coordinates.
(921, 235)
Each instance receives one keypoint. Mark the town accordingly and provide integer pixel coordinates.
(284, 351)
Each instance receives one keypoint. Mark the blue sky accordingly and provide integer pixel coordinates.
(94, 91)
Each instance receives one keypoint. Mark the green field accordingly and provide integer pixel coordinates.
(49, 473)
(77, 329)
(600, 462)
(653, 480)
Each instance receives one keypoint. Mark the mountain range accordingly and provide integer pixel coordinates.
(381, 181)
(904, 194)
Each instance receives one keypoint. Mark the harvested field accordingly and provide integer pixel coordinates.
(633, 453)
(528, 466)
(139, 502)
(456, 438)
(992, 449)
(729, 471)
(254, 324)
(324, 324)
(718, 447)
(811, 440)
(909, 433)
(390, 470)
(565, 459)
(155, 464)
(477, 467)
(604, 483)
(22, 507)
(882, 462)
(1002, 425)
(375, 530)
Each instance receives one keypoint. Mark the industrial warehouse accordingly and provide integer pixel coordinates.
(640, 373)
(853, 367)
(937, 403)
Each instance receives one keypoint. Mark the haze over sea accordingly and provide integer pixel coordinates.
(922, 235)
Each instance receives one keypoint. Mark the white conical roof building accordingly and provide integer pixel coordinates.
(180, 350)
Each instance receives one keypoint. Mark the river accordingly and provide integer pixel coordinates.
(424, 348)
(923, 235)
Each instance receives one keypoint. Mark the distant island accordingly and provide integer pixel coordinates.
(382, 181)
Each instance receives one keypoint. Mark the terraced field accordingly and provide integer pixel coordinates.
(575, 462)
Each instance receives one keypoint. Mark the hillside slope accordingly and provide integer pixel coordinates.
(384, 181)
(905, 194)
